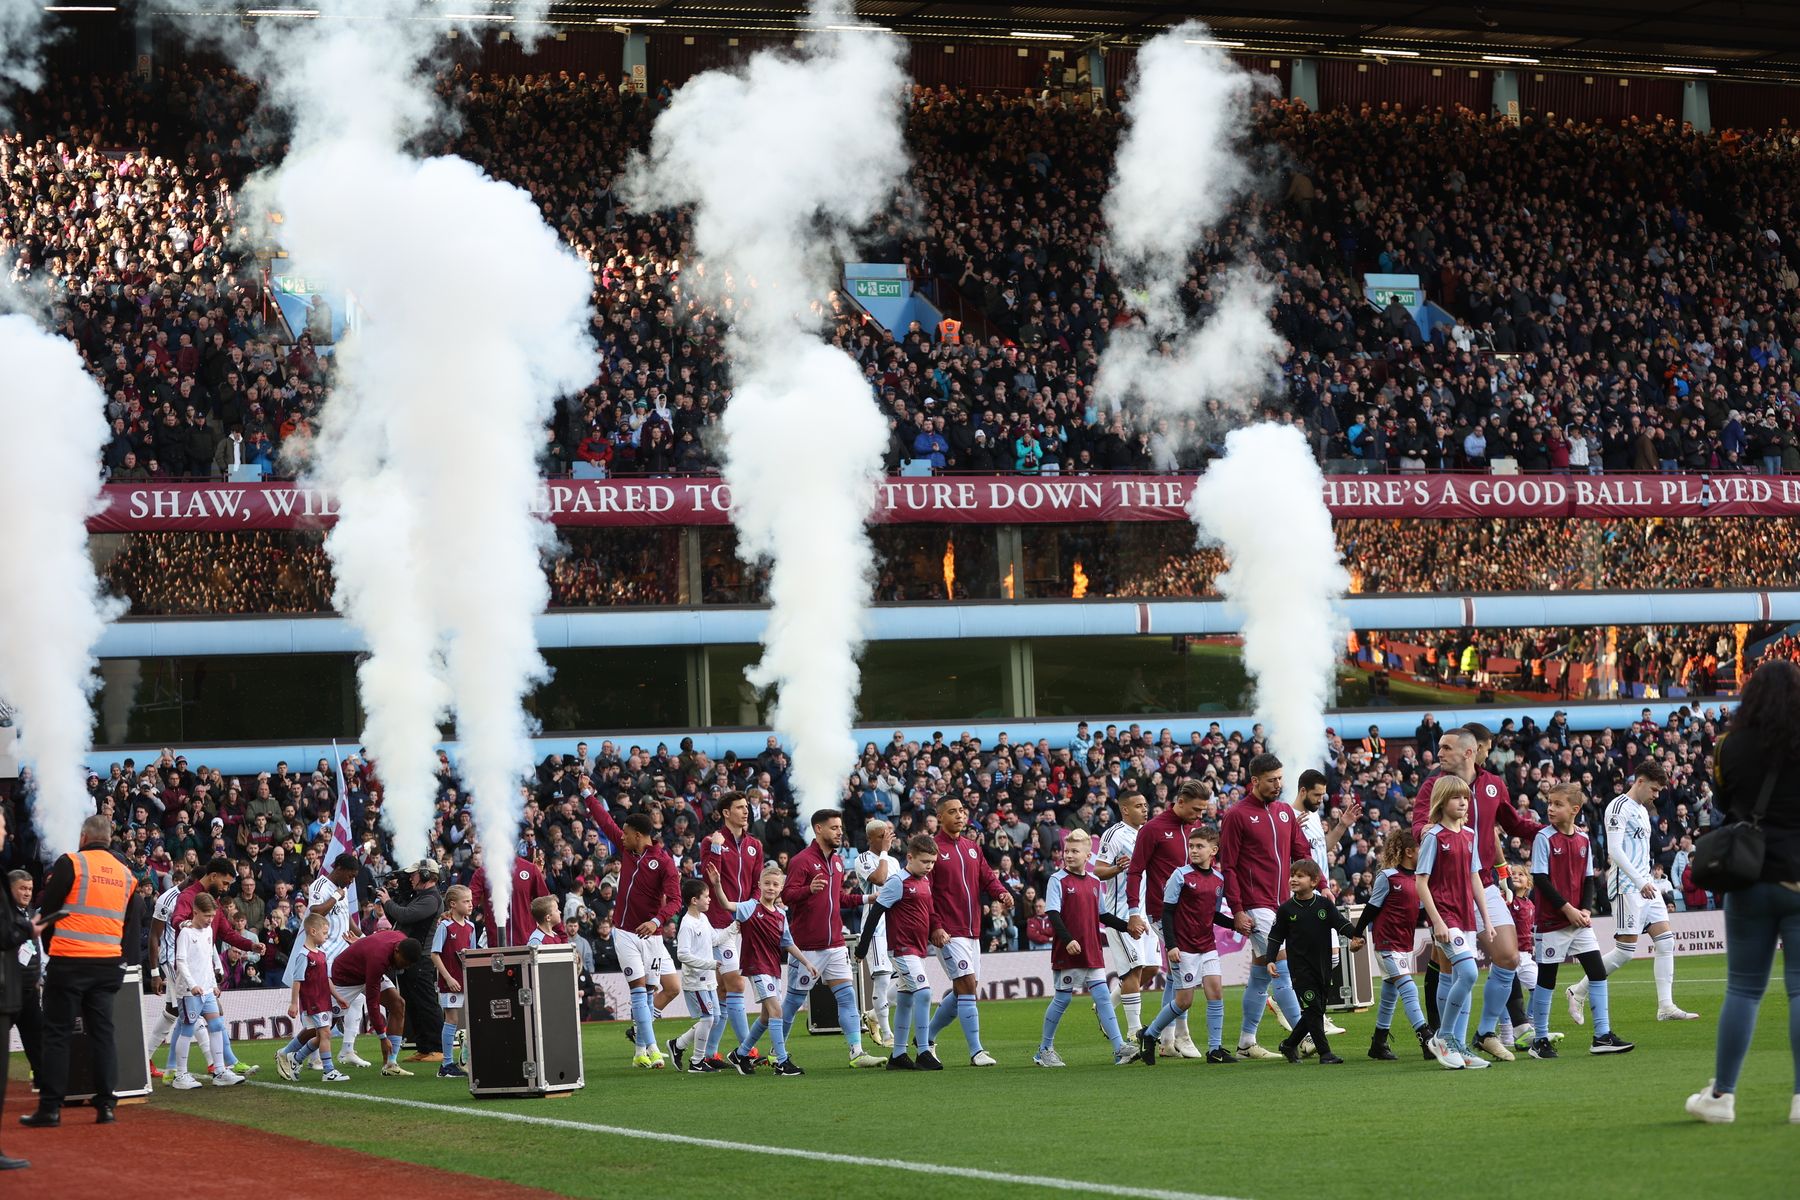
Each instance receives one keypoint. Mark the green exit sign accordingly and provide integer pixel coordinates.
(878, 289)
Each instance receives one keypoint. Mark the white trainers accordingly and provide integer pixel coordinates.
(1185, 1048)
(226, 1078)
(1472, 1060)
(336, 1076)
(1333, 1029)
(1576, 994)
(181, 1081)
(1255, 1050)
(1165, 1045)
(1280, 1016)
(351, 1058)
(1675, 1013)
(984, 1059)
(1495, 1048)
(1048, 1058)
(1715, 1109)
(1445, 1053)
(287, 1066)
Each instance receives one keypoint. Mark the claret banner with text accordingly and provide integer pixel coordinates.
(1002, 500)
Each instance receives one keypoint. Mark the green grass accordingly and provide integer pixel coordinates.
(1578, 1126)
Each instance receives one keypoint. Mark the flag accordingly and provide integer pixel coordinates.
(340, 830)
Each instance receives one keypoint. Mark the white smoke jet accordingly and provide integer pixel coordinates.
(474, 320)
(1181, 165)
(781, 160)
(52, 427)
(21, 36)
(1264, 503)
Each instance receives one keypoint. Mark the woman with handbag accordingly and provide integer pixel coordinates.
(15, 935)
(1754, 859)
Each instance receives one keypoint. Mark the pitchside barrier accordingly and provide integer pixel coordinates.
(261, 1013)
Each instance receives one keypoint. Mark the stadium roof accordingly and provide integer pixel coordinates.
(1734, 37)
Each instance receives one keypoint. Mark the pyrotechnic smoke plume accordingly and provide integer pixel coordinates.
(21, 37)
(51, 610)
(780, 160)
(1263, 502)
(1181, 165)
(472, 321)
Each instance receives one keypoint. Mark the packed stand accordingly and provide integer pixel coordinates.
(1024, 798)
(1668, 349)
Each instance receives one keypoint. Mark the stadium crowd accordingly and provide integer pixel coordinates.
(1624, 294)
(1024, 797)
(1675, 660)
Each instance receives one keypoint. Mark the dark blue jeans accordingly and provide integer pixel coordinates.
(1754, 919)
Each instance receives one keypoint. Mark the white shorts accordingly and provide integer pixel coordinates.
(1193, 968)
(730, 952)
(909, 972)
(1259, 935)
(1458, 946)
(641, 957)
(880, 961)
(1495, 911)
(449, 1000)
(961, 957)
(1562, 945)
(346, 996)
(1080, 979)
(1126, 953)
(1395, 964)
(1527, 970)
(315, 1020)
(833, 963)
(1632, 914)
(764, 987)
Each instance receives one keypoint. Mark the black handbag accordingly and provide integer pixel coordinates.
(1730, 858)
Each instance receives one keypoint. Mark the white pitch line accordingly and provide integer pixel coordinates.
(681, 1139)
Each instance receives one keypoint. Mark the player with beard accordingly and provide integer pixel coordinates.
(959, 880)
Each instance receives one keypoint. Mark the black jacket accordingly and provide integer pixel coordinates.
(1740, 765)
(15, 931)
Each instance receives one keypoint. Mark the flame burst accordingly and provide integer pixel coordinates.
(950, 569)
(1081, 582)
(1006, 585)
(1356, 582)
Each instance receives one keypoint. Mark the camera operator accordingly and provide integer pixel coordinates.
(413, 905)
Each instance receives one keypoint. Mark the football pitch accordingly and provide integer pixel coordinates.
(1578, 1126)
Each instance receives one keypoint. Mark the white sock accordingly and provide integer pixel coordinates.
(206, 1052)
(883, 989)
(1505, 1030)
(217, 1038)
(1134, 1012)
(182, 1045)
(1663, 963)
(1619, 955)
(165, 1025)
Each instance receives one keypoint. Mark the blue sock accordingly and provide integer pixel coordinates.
(1493, 999)
(1445, 979)
(1255, 992)
(791, 1004)
(1540, 1011)
(1597, 1000)
(447, 1039)
(326, 1062)
(1059, 1004)
(778, 1040)
(903, 1010)
(1215, 1024)
(969, 1013)
(946, 1013)
(394, 1042)
(293, 1046)
(1109, 1020)
(1462, 995)
(1165, 1016)
(642, 1028)
(849, 1019)
(736, 1017)
(1282, 988)
(759, 1027)
(1409, 995)
(921, 1020)
(1390, 998)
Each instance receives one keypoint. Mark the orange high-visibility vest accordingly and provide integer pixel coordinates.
(950, 331)
(92, 920)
